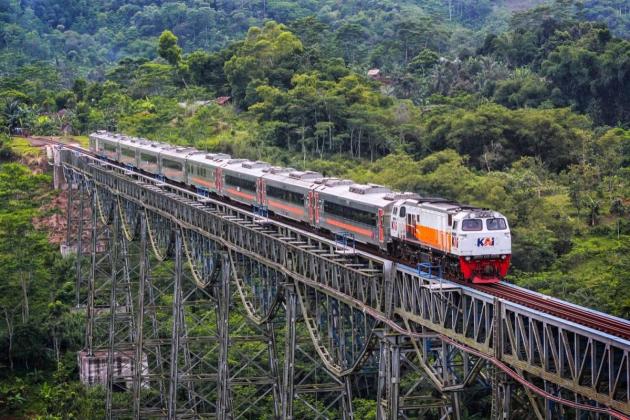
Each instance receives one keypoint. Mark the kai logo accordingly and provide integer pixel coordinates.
(489, 241)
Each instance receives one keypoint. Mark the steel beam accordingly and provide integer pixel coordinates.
(590, 366)
(289, 352)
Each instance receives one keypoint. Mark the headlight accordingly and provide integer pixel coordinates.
(467, 258)
(503, 257)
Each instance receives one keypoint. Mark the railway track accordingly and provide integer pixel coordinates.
(555, 307)
(592, 319)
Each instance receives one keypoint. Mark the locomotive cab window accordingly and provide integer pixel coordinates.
(472, 225)
(496, 224)
(402, 211)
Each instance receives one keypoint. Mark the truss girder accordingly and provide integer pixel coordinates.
(343, 298)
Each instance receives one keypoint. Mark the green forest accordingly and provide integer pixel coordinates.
(519, 106)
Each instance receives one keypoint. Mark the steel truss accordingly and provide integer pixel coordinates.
(422, 345)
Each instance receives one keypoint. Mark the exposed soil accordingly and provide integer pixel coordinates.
(54, 214)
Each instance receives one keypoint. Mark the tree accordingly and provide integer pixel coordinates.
(79, 87)
(268, 55)
(168, 48)
(423, 62)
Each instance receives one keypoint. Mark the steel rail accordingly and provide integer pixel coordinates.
(606, 324)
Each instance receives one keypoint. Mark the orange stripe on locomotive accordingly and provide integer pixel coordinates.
(434, 238)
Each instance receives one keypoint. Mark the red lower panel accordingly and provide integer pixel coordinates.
(484, 270)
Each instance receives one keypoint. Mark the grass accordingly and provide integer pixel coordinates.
(21, 146)
(84, 141)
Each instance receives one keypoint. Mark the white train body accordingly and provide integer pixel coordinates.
(469, 242)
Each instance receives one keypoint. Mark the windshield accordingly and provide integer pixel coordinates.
(496, 224)
(472, 225)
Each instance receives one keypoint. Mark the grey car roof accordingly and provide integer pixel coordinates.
(348, 192)
(366, 194)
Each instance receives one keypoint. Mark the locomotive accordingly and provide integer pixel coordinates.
(466, 242)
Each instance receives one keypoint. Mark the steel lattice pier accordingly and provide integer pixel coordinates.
(312, 328)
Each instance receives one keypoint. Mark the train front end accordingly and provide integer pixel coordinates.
(482, 242)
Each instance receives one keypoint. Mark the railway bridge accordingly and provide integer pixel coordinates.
(196, 308)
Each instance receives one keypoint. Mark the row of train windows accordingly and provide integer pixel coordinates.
(356, 215)
(199, 170)
(290, 196)
(239, 182)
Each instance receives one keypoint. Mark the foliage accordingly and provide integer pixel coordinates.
(526, 113)
(39, 333)
(168, 48)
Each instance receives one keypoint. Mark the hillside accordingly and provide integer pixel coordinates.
(512, 105)
(85, 38)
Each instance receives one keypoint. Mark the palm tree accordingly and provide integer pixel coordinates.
(16, 114)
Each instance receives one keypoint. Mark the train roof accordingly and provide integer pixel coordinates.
(104, 135)
(368, 194)
(293, 177)
(133, 141)
(211, 159)
(248, 167)
(178, 152)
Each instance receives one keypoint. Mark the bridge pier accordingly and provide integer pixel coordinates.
(290, 302)
(388, 377)
(277, 387)
(444, 334)
(224, 410)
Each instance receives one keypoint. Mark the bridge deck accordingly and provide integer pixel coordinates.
(528, 344)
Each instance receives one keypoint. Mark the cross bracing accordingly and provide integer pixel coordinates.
(357, 310)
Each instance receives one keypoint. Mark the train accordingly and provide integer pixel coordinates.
(464, 242)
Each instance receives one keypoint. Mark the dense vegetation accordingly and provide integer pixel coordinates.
(527, 113)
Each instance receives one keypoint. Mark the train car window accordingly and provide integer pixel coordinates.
(403, 211)
(171, 164)
(496, 224)
(395, 211)
(285, 195)
(201, 171)
(360, 216)
(469, 225)
(455, 225)
(148, 158)
(130, 153)
(239, 182)
(109, 147)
